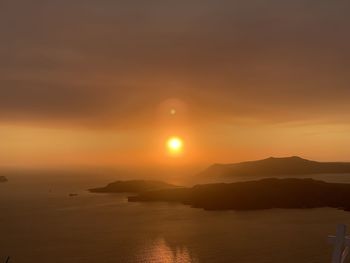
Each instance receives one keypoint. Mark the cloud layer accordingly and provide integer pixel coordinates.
(113, 62)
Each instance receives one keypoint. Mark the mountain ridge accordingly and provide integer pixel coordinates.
(274, 166)
(266, 193)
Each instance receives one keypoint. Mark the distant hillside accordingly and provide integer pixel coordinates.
(274, 166)
(263, 194)
(3, 179)
(132, 186)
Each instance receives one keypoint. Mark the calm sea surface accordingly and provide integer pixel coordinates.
(39, 222)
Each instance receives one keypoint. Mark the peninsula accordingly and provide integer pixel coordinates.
(132, 186)
(251, 195)
(3, 179)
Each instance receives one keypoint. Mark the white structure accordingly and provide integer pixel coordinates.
(341, 244)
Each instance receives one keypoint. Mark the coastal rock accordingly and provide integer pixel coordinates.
(3, 179)
(263, 194)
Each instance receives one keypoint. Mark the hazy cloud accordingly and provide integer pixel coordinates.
(117, 60)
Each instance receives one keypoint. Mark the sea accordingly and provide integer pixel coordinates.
(54, 218)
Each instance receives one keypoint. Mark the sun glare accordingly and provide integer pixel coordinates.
(174, 145)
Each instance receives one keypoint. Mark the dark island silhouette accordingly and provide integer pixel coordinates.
(273, 167)
(132, 186)
(3, 179)
(262, 194)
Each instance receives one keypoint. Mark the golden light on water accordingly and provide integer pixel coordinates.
(174, 145)
(158, 251)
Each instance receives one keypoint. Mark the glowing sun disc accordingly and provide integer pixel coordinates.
(174, 145)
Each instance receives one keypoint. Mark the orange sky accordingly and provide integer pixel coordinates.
(248, 80)
(204, 143)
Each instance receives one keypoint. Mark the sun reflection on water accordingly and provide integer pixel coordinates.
(159, 251)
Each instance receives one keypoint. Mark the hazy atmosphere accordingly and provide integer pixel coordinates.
(188, 131)
(105, 83)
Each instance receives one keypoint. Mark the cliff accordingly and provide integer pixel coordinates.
(262, 194)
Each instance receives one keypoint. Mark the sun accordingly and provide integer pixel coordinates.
(174, 145)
